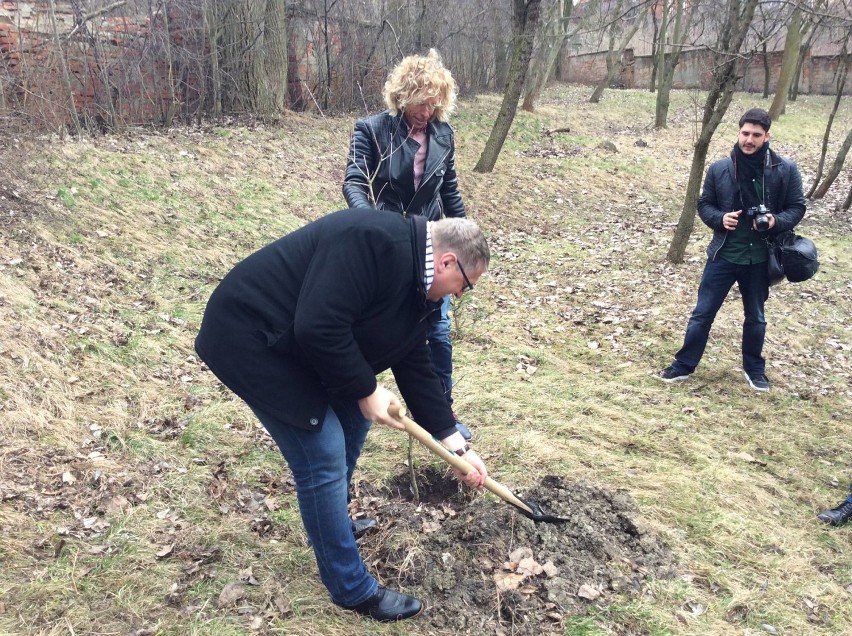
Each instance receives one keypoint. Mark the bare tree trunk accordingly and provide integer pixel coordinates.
(554, 33)
(655, 43)
(668, 62)
(101, 88)
(836, 167)
(275, 58)
(502, 55)
(174, 104)
(848, 201)
(788, 64)
(725, 75)
(526, 18)
(660, 54)
(614, 54)
(767, 72)
(420, 27)
(326, 94)
(211, 29)
(842, 72)
(797, 73)
(63, 64)
(815, 19)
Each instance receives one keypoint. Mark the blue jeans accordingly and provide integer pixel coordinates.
(322, 463)
(718, 278)
(441, 349)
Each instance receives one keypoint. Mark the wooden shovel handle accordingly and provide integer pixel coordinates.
(424, 437)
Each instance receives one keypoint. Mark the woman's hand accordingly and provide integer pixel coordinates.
(474, 479)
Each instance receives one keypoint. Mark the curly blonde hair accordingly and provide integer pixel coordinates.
(417, 79)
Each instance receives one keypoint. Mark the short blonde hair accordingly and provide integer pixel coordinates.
(417, 79)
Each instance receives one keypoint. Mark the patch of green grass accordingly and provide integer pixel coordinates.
(67, 196)
(256, 460)
(583, 626)
(633, 617)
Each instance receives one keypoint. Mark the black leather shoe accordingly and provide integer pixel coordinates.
(464, 430)
(837, 516)
(360, 527)
(387, 605)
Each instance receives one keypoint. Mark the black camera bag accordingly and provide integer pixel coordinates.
(792, 257)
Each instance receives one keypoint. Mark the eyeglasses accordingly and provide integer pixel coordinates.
(467, 284)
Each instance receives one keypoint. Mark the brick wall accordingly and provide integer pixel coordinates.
(111, 82)
(693, 71)
(120, 72)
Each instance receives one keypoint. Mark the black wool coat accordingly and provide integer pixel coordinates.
(311, 318)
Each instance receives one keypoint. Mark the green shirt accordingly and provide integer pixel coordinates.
(745, 246)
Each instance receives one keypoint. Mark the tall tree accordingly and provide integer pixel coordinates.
(738, 17)
(553, 33)
(788, 64)
(842, 73)
(274, 98)
(526, 14)
(211, 27)
(250, 69)
(616, 45)
(762, 26)
(653, 7)
(836, 167)
(669, 54)
(814, 18)
(65, 73)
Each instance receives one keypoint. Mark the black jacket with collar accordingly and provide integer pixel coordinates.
(380, 170)
(783, 195)
(311, 318)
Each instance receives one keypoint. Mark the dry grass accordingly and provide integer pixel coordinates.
(116, 446)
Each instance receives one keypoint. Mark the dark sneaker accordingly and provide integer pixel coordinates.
(673, 374)
(464, 430)
(756, 380)
(837, 516)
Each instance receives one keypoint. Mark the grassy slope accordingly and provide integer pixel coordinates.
(113, 435)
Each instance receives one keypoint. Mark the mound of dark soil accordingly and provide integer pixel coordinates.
(482, 568)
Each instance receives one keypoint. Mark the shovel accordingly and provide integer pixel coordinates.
(529, 509)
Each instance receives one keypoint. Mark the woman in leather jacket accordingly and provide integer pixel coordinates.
(403, 160)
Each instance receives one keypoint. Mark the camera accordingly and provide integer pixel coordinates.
(760, 214)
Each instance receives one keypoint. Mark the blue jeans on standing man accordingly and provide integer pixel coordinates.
(441, 349)
(718, 278)
(322, 463)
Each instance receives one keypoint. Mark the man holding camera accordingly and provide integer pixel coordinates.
(747, 197)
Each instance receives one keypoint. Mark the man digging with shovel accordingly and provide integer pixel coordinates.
(300, 329)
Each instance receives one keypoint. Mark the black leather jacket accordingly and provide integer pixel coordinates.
(782, 185)
(380, 170)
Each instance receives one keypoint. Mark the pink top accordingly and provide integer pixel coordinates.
(420, 157)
